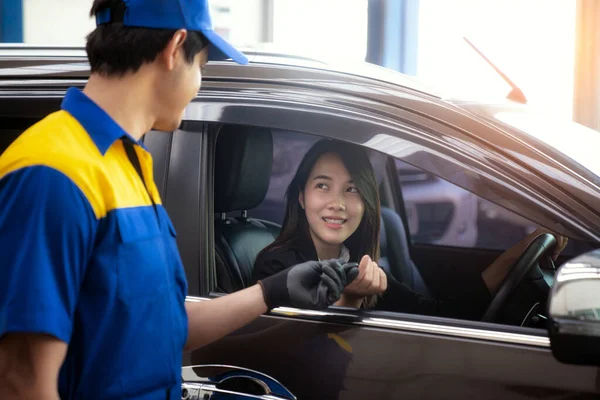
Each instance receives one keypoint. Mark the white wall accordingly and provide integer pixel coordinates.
(57, 21)
(323, 29)
(309, 27)
(531, 41)
(66, 22)
(239, 21)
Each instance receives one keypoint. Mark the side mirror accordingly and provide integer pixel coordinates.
(574, 311)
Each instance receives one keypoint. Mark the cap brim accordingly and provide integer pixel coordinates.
(220, 49)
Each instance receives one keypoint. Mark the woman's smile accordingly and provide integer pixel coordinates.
(334, 222)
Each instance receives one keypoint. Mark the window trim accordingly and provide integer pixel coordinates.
(417, 324)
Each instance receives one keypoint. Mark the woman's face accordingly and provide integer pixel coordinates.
(331, 201)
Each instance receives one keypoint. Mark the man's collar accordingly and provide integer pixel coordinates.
(103, 130)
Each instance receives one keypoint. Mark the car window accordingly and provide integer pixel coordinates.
(438, 213)
(442, 213)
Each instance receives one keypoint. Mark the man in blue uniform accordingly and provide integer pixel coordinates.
(92, 290)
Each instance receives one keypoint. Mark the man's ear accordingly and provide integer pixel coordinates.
(301, 199)
(171, 53)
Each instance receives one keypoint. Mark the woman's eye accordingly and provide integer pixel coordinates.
(353, 190)
(321, 186)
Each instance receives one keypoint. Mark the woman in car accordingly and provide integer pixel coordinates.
(333, 212)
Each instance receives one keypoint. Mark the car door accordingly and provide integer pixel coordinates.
(349, 354)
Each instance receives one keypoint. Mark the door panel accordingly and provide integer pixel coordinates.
(317, 359)
(159, 145)
(183, 193)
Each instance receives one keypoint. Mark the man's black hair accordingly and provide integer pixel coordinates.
(114, 49)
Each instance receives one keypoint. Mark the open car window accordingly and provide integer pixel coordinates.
(453, 234)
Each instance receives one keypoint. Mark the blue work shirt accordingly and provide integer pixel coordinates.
(87, 257)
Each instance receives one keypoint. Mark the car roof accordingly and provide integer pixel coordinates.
(365, 88)
(23, 60)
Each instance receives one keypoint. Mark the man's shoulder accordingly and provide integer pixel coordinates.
(58, 142)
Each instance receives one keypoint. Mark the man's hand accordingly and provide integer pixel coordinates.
(371, 280)
(310, 285)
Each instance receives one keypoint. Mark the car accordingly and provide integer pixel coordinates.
(221, 174)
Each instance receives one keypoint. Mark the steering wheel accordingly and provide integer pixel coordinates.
(542, 245)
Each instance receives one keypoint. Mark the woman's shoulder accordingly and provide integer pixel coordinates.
(280, 254)
(274, 260)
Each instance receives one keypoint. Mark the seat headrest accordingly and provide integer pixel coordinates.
(244, 160)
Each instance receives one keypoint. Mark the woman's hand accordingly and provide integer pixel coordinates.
(561, 241)
(371, 280)
(515, 252)
(495, 273)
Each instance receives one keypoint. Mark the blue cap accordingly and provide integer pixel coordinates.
(193, 15)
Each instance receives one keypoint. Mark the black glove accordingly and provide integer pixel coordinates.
(310, 285)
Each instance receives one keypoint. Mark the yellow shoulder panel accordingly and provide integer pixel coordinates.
(60, 142)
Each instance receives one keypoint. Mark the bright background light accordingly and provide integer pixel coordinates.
(532, 41)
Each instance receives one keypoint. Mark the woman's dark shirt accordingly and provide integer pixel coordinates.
(397, 298)
(320, 359)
